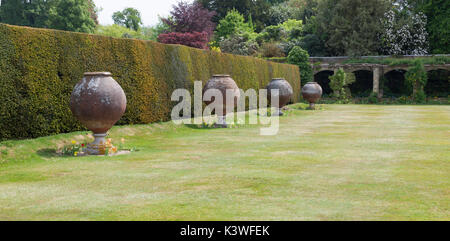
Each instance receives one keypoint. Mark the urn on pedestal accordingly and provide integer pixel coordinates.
(312, 92)
(98, 102)
(229, 91)
(285, 93)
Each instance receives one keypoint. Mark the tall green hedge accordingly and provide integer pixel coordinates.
(40, 67)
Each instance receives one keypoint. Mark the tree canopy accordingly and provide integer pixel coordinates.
(188, 18)
(351, 27)
(438, 24)
(129, 18)
(70, 15)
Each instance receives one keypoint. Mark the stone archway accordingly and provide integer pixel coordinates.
(394, 84)
(438, 83)
(363, 86)
(322, 78)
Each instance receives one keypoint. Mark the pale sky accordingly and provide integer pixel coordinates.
(150, 9)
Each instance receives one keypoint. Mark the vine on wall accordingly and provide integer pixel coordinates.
(417, 78)
(339, 83)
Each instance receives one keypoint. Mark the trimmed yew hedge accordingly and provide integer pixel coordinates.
(40, 67)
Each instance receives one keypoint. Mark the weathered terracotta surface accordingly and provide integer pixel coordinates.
(98, 102)
(223, 83)
(285, 91)
(312, 92)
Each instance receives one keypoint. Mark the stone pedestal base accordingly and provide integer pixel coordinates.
(99, 146)
(222, 121)
(312, 106)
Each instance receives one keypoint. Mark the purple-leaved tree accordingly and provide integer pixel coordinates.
(189, 20)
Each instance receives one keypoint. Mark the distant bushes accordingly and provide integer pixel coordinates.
(39, 68)
(195, 39)
(117, 31)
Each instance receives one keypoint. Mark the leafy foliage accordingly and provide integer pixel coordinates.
(404, 33)
(189, 18)
(116, 31)
(189, 24)
(70, 15)
(417, 79)
(73, 15)
(251, 9)
(300, 57)
(438, 24)
(270, 50)
(339, 83)
(129, 17)
(351, 31)
(240, 45)
(233, 24)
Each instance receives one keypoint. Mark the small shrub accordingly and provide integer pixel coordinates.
(300, 57)
(373, 98)
(240, 45)
(339, 83)
(273, 33)
(417, 79)
(420, 97)
(270, 50)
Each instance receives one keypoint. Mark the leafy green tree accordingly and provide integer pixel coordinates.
(116, 31)
(292, 24)
(26, 13)
(417, 79)
(129, 17)
(282, 12)
(438, 24)
(72, 15)
(257, 9)
(351, 27)
(233, 24)
(404, 33)
(93, 10)
(313, 44)
(300, 57)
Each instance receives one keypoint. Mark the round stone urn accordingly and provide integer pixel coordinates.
(226, 85)
(98, 102)
(285, 93)
(312, 92)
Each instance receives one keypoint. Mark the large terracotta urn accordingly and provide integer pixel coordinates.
(98, 102)
(285, 93)
(312, 92)
(226, 85)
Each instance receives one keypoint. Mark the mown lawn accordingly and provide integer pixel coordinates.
(346, 162)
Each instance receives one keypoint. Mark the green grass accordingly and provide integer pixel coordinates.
(344, 162)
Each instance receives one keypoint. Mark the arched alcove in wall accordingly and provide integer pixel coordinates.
(394, 84)
(322, 78)
(363, 86)
(438, 84)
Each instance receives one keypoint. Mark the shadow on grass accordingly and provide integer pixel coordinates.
(48, 152)
(203, 127)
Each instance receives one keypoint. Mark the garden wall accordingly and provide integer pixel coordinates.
(40, 67)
